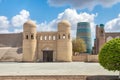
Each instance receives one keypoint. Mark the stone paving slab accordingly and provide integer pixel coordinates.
(61, 68)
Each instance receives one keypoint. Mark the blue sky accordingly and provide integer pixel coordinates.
(41, 10)
(47, 13)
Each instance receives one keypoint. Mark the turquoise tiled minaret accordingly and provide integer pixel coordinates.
(84, 32)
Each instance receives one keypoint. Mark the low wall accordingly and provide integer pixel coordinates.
(80, 57)
(92, 58)
(85, 58)
(61, 77)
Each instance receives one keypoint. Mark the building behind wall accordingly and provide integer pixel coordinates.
(102, 37)
(84, 32)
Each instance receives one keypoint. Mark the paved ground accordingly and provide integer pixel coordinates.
(65, 68)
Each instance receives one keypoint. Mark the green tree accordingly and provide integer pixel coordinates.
(78, 45)
(109, 56)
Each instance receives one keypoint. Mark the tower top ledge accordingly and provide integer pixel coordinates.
(65, 22)
(30, 23)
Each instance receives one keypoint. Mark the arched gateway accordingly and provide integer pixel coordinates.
(48, 54)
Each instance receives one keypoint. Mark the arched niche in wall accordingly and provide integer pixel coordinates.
(41, 37)
(26, 36)
(32, 36)
(59, 36)
(45, 37)
(63, 36)
(49, 37)
(54, 37)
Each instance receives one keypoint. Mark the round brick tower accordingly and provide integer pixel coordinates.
(64, 44)
(29, 41)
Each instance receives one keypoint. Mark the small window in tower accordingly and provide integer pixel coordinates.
(64, 36)
(53, 37)
(26, 36)
(59, 36)
(32, 37)
(68, 36)
(101, 31)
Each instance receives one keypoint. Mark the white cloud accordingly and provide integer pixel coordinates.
(18, 20)
(82, 4)
(51, 26)
(15, 23)
(73, 17)
(113, 25)
(4, 23)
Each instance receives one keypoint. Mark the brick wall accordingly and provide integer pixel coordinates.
(80, 57)
(92, 58)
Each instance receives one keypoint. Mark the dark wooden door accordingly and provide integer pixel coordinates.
(47, 56)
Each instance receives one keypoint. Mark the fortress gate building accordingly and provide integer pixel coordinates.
(47, 46)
